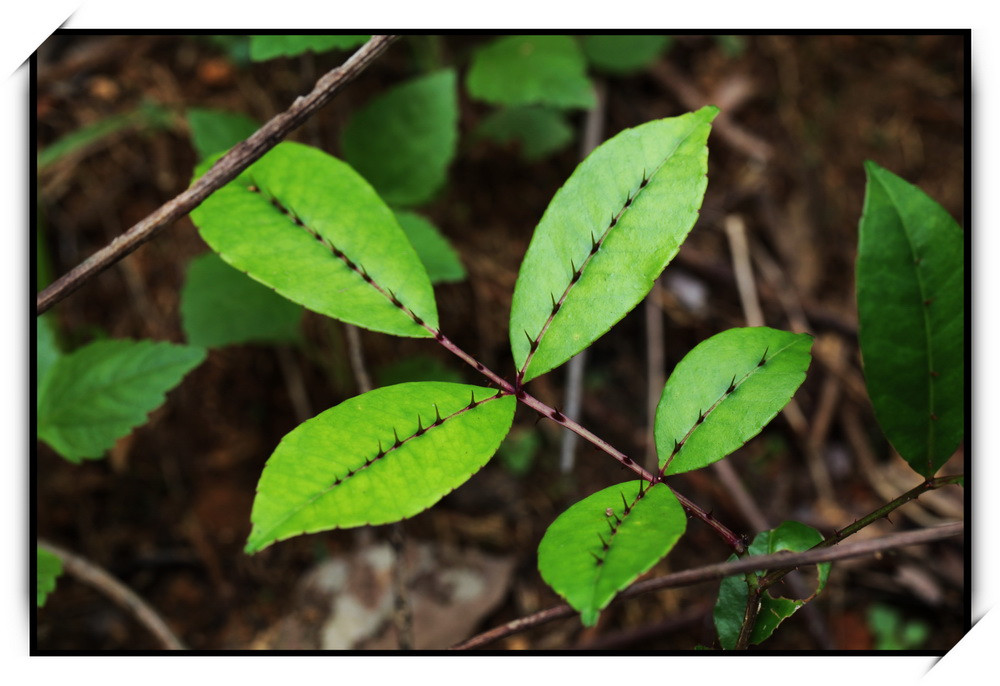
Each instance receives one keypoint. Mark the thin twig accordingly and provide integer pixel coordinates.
(402, 612)
(592, 127)
(291, 371)
(655, 371)
(222, 172)
(92, 575)
(723, 569)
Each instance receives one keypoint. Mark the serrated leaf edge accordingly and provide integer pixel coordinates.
(576, 273)
(733, 386)
(380, 453)
(336, 252)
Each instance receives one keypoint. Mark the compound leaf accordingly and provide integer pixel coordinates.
(268, 47)
(48, 569)
(403, 141)
(724, 392)
(307, 225)
(95, 395)
(531, 70)
(215, 131)
(621, 54)
(377, 458)
(222, 306)
(606, 236)
(603, 543)
(439, 258)
(731, 605)
(911, 318)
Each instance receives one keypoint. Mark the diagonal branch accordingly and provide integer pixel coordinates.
(720, 570)
(225, 170)
(92, 575)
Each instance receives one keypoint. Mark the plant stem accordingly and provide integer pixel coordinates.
(929, 485)
(756, 586)
(92, 575)
(720, 570)
(732, 540)
(222, 172)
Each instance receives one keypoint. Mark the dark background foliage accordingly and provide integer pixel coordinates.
(168, 510)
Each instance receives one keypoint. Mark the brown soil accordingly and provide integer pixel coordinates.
(168, 511)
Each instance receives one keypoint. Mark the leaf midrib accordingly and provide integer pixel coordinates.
(719, 401)
(925, 314)
(327, 489)
(582, 269)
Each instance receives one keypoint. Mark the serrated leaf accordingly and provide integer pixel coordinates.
(588, 555)
(623, 53)
(377, 458)
(95, 395)
(214, 131)
(720, 395)
(538, 130)
(731, 604)
(48, 569)
(404, 140)
(637, 196)
(268, 47)
(439, 257)
(911, 319)
(531, 70)
(307, 225)
(221, 306)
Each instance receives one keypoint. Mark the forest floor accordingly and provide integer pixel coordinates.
(167, 511)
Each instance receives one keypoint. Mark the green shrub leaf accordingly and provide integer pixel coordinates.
(307, 225)
(440, 259)
(214, 131)
(46, 347)
(732, 602)
(606, 236)
(531, 70)
(95, 395)
(404, 140)
(588, 555)
(377, 458)
(268, 47)
(720, 395)
(538, 130)
(221, 306)
(911, 319)
(48, 570)
(622, 54)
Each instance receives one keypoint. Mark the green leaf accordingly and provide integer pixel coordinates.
(720, 395)
(621, 54)
(220, 306)
(404, 140)
(214, 131)
(637, 195)
(911, 319)
(46, 347)
(49, 568)
(531, 70)
(377, 458)
(440, 259)
(731, 605)
(147, 116)
(538, 130)
(95, 395)
(588, 555)
(517, 452)
(268, 47)
(267, 223)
